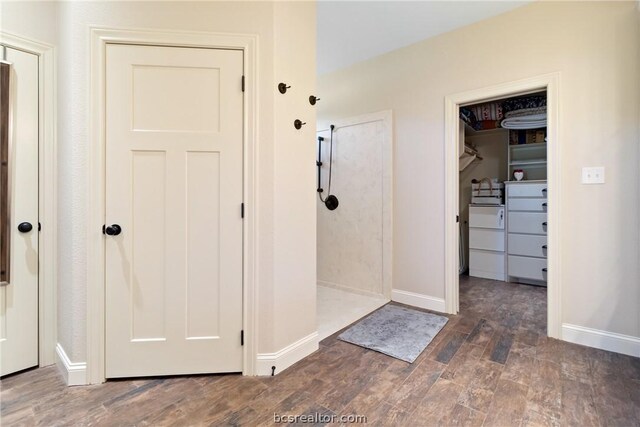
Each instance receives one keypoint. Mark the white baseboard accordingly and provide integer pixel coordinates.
(603, 340)
(418, 300)
(74, 373)
(287, 356)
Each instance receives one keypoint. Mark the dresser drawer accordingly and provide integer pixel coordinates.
(486, 216)
(527, 222)
(486, 238)
(527, 268)
(534, 205)
(527, 245)
(486, 264)
(527, 190)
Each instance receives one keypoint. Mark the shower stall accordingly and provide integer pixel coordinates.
(354, 219)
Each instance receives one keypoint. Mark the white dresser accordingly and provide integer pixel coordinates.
(487, 242)
(527, 232)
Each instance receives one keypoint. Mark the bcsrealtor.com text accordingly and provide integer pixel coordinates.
(319, 418)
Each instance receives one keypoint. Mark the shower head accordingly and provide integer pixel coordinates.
(331, 202)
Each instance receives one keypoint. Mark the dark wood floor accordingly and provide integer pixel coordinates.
(491, 365)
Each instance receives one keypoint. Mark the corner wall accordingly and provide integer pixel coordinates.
(595, 48)
(294, 175)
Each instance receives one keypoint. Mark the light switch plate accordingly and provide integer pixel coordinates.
(593, 175)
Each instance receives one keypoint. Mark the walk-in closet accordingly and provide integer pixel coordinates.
(503, 190)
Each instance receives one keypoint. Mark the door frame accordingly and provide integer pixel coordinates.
(47, 189)
(550, 83)
(100, 37)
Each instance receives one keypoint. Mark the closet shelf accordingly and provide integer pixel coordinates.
(524, 147)
(471, 131)
(531, 162)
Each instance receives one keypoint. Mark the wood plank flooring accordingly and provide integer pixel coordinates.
(492, 365)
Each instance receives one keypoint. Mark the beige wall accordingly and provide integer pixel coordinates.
(595, 48)
(285, 181)
(295, 180)
(41, 24)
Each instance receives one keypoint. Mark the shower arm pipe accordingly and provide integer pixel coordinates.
(319, 163)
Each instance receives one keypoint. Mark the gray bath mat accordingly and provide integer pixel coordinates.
(396, 331)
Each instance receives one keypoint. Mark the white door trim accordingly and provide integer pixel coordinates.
(550, 82)
(386, 117)
(47, 247)
(100, 37)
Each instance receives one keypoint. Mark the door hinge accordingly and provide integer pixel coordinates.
(457, 218)
(243, 83)
(242, 337)
(104, 229)
(241, 210)
(39, 227)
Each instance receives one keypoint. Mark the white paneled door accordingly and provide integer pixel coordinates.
(174, 134)
(19, 283)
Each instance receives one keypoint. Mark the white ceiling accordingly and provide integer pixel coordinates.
(353, 31)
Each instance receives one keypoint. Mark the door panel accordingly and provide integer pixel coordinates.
(19, 295)
(174, 185)
(203, 245)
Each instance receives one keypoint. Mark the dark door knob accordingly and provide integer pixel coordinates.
(113, 230)
(25, 227)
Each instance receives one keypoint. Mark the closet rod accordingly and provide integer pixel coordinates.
(473, 151)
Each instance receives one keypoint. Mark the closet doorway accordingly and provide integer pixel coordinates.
(503, 220)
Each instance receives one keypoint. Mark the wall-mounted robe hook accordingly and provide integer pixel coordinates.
(313, 100)
(282, 87)
(298, 124)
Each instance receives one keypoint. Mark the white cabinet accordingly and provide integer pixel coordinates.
(528, 267)
(487, 241)
(527, 232)
(527, 245)
(527, 222)
(486, 216)
(526, 204)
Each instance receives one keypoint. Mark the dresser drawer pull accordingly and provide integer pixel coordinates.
(544, 190)
(544, 270)
(544, 246)
(544, 205)
(544, 224)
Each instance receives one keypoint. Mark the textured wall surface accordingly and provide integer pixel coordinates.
(350, 237)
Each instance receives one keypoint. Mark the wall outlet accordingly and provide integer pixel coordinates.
(593, 175)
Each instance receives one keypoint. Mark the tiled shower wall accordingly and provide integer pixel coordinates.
(350, 238)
